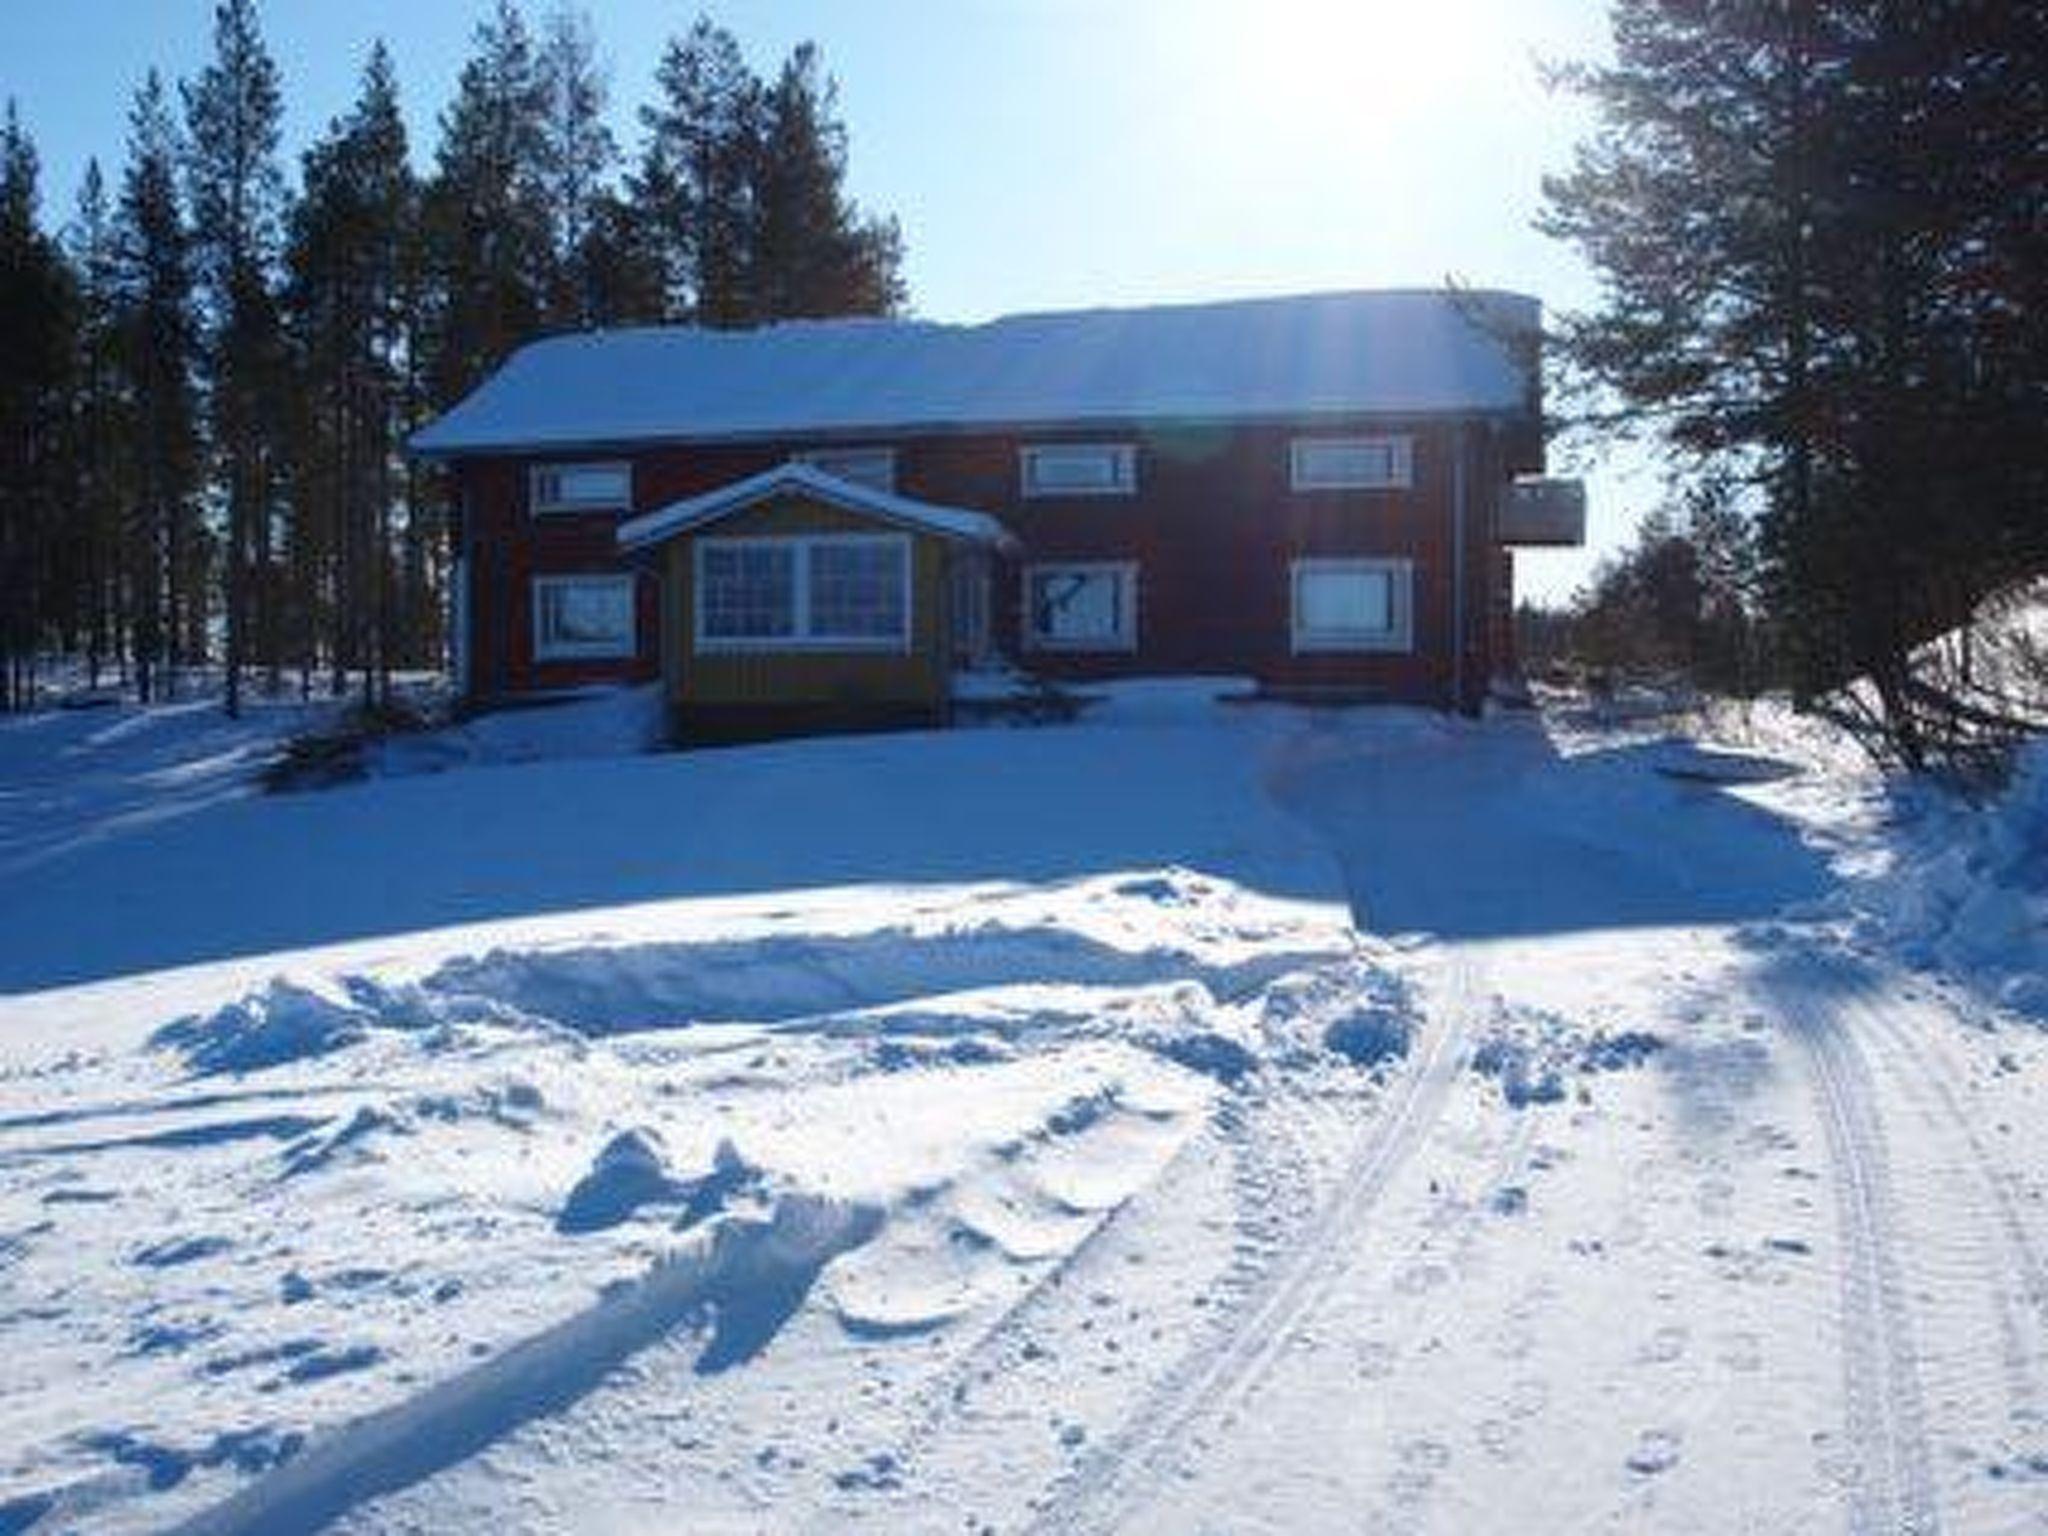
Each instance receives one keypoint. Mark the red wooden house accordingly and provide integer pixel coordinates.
(830, 519)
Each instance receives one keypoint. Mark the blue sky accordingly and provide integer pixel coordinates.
(1040, 153)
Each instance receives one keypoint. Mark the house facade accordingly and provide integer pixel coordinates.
(832, 518)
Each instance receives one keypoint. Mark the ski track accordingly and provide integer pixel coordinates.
(1127, 1472)
(1267, 1165)
(1932, 1087)
(1893, 1485)
(2004, 1253)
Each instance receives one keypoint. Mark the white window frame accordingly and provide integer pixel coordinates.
(1123, 469)
(588, 650)
(873, 458)
(1399, 448)
(801, 638)
(544, 491)
(1125, 571)
(1397, 639)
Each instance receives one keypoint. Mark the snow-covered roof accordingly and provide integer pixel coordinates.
(1325, 354)
(922, 516)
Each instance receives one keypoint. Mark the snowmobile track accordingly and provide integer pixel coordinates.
(1893, 1486)
(1123, 1475)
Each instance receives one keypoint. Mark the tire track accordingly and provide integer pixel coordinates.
(1893, 1489)
(1122, 1475)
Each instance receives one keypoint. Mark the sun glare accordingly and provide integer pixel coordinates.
(1368, 69)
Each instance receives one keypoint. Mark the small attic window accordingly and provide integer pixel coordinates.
(1352, 463)
(874, 468)
(1080, 469)
(582, 488)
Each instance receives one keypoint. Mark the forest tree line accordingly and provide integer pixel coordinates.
(1822, 234)
(211, 368)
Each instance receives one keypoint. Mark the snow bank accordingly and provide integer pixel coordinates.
(1968, 888)
(1164, 928)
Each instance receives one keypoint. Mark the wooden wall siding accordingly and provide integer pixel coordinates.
(850, 679)
(1214, 526)
(507, 548)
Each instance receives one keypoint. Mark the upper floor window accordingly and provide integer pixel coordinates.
(582, 487)
(1352, 463)
(1080, 469)
(872, 467)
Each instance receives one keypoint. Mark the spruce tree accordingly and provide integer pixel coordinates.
(233, 114)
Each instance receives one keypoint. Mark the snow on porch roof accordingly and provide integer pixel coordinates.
(922, 516)
(1326, 354)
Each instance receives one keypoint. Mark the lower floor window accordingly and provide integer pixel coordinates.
(766, 593)
(582, 616)
(1352, 605)
(1088, 607)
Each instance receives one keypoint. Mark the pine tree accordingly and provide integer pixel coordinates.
(158, 349)
(486, 216)
(347, 258)
(814, 253)
(576, 156)
(1817, 286)
(98, 413)
(694, 190)
(35, 307)
(233, 115)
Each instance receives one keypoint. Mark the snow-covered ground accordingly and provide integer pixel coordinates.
(1201, 1117)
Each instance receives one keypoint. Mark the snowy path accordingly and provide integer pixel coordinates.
(1128, 1471)
(1264, 1435)
(1676, 1212)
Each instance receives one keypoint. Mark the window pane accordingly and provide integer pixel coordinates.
(1351, 462)
(600, 486)
(586, 618)
(1080, 469)
(1077, 605)
(1345, 602)
(748, 592)
(859, 591)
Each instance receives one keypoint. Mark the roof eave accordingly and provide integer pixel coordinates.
(683, 438)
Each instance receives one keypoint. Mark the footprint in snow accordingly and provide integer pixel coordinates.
(1715, 1197)
(1528, 1397)
(1665, 1345)
(1511, 1341)
(1656, 1451)
(181, 1250)
(1375, 1360)
(1741, 1351)
(1499, 1439)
